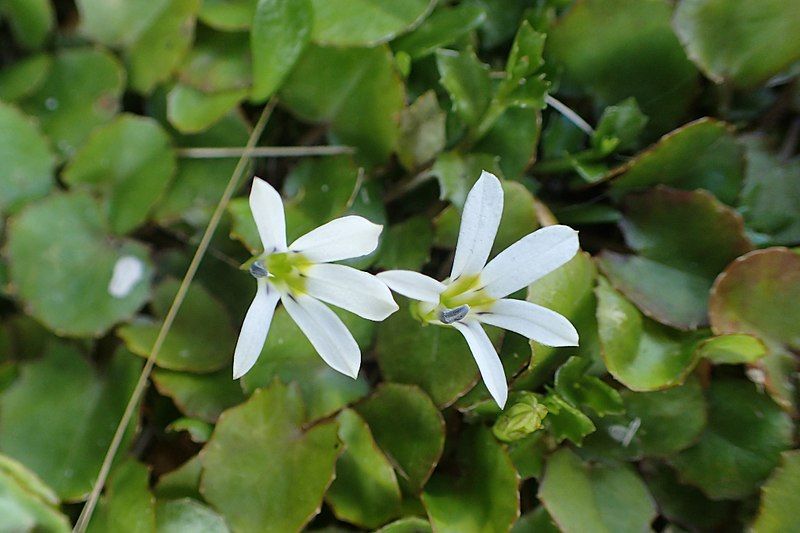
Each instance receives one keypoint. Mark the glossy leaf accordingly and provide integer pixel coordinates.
(199, 396)
(177, 516)
(26, 502)
(779, 496)
(365, 22)
(127, 506)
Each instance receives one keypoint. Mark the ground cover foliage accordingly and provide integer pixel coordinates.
(676, 412)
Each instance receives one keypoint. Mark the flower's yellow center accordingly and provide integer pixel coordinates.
(287, 270)
(465, 291)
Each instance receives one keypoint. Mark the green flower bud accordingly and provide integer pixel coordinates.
(520, 420)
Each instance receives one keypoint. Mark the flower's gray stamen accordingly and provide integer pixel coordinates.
(448, 316)
(257, 270)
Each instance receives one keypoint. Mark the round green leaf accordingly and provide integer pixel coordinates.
(780, 497)
(365, 491)
(357, 90)
(116, 24)
(615, 49)
(409, 429)
(742, 443)
(732, 349)
(193, 111)
(129, 162)
(289, 356)
(407, 525)
(82, 91)
(20, 79)
(60, 415)
(365, 22)
(183, 482)
(28, 162)
(228, 15)
(199, 396)
(407, 245)
(180, 516)
(759, 294)
(595, 496)
(445, 26)
(218, 62)
(742, 42)
(700, 155)
(68, 273)
(31, 20)
(481, 494)
(201, 338)
(640, 353)
(26, 503)
(281, 29)
(262, 469)
(127, 505)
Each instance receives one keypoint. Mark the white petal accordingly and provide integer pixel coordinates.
(267, 208)
(342, 238)
(479, 222)
(413, 285)
(488, 361)
(329, 336)
(533, 321)
(529, 259)
(350, 289)
(254, 329)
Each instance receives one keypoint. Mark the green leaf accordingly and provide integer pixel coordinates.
(218, 62)
(502, 20)
(640, 353)
(445, 26)
(408, 245)
(703, 154)
(28, 162)
(365, 491)
(422, 131)
(129, 162)
(481, 494)
(537, 521)
(670, 227)
(565, 421)
(117, 25)
(467, 82)
(595, 497)
(771, 191)
(179, 516)
(31, 20)
(197, 430)
(228, 15)
(577, 387)
(745, 436)
(199, 396)
(457, 173)
(734, 349)
(356, 90)
(528, 455)
(158, 50)
(759, 294)
(721, 36)
(61, 263)
(193, 111)
(289, 356)
(409, 429)
(26, 503)
(513, 138)
(183, 482)
(619, 127)
(127, 506)
(779, 496)
(23, 77)
(82, 91)
(60, 415)
(411, 524)
(365, 22)
(615, 49)
(201, 338)
(281, 30)
(435, 358)
(284, 492)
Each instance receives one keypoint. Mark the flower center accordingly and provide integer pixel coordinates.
(285, 270)
(455, 303)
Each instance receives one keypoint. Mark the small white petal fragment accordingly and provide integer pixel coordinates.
(267, 208)
(532, 321)
(352, 290)
(487, 359)
(329, 336)
(128, 271)
(342, 238)
(528, 259)
(479, 222)
(413, 285)
(254, 329)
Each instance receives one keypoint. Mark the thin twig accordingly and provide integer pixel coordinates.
(230, 189)
(569, 114)
(263, 151)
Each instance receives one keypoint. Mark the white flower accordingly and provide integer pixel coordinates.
(301, 276)
(474, 293)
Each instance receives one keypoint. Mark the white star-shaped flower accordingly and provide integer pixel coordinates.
(475, 291)
(302, 276)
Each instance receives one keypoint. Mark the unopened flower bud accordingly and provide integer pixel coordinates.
(520, 420)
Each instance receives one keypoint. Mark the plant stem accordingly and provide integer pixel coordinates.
(263, 151)
(569, 114)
